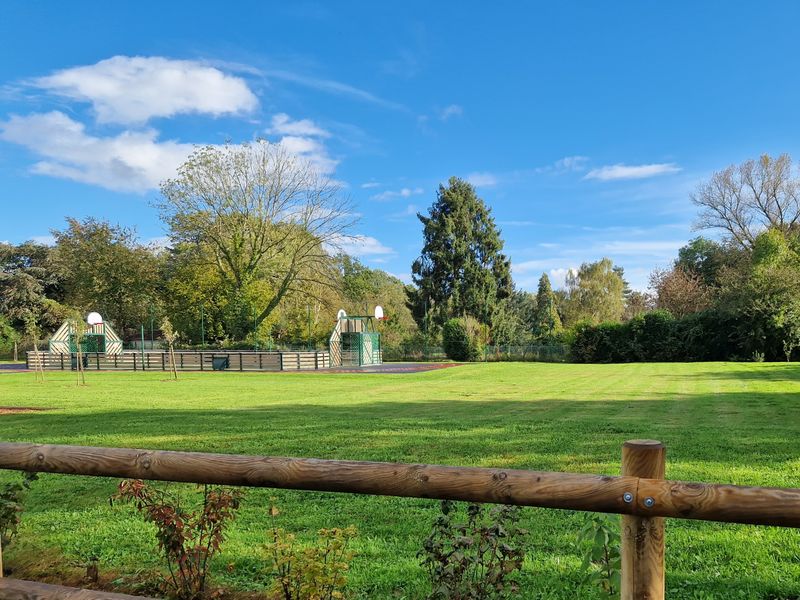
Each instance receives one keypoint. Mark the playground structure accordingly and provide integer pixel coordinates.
(354, 341)
(99, 337)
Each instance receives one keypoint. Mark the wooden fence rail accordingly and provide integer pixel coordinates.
(640, 493)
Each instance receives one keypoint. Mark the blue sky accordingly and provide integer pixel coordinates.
(585, 125)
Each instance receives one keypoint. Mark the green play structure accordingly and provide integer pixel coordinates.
(354, 341)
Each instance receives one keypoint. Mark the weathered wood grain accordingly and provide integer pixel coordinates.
(18, 589)
(508, 486)
(726, 503)
(711, 502)
(642, 537)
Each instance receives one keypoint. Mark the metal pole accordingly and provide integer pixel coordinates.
(308, 307)
(150, 310)
(425, 331)
(202, 327)
(142, 347)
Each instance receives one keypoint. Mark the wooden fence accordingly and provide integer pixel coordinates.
(184, 361)
(640, 494)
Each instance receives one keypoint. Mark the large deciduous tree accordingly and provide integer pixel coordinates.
(104, 268)
(680, 291)
(258, 216)
(30, 288)
(743, 200)
(462, 270)
(595, 293)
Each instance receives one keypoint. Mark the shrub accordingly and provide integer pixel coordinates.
(12, 497)
(7, 336)
(477, 558)
(187, 539)
(460, 339)
(602, 563)
(316, 572)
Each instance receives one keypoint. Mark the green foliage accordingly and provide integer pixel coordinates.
(704, 258)
(30, 287)
(477, 558)
(461, 270)
(104, 268)
(602, 563)
(188, 539)
(595, 293)
(364, 288)
(315, 572)
(262, 220)
(460, 339)
(547, 322)
(12, 498)
(7, 336)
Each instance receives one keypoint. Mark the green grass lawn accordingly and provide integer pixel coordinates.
(724, 422)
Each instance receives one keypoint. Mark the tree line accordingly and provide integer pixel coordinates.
(254, 256)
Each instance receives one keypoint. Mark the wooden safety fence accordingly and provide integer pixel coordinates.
(641, 494)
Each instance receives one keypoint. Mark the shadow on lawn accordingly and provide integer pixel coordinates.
(727, 428)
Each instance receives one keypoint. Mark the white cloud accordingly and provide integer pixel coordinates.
(567, 164)
(482, 179)
(311, 150)
(558, 277)
(621, 171)
(370, 184)
(360, 245)
(403, 193)
(282, 124)
(129, 162)
(448, 112)
(134, 89)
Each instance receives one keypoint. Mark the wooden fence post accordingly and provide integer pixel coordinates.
(643, 537)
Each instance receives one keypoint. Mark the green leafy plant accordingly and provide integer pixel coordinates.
(461, 339)
(315, 572)
(474, 557)
(188, 539)
(12, 497)
(601, 560)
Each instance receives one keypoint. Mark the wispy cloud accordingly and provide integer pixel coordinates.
(622, 171)
(369, 185)
(451, 111)
(361, 246)
(567, 164)
(482, 179)
(336, 88)
(135, 89)
(402, 193)
(282, 124)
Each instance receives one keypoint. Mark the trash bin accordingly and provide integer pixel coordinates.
(219, 363)
(74, 361)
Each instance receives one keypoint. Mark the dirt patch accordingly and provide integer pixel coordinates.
(13, 410)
